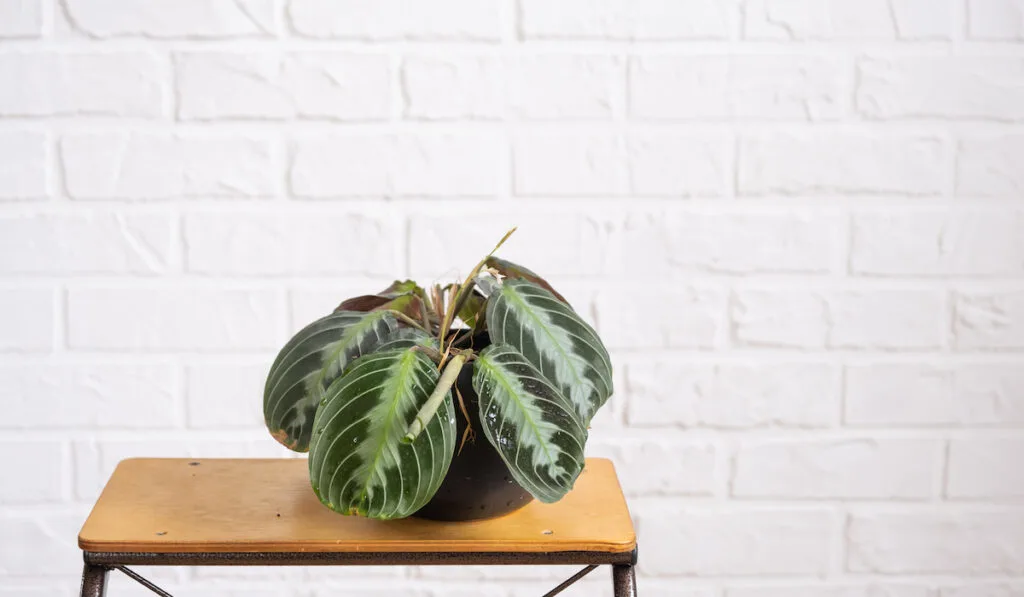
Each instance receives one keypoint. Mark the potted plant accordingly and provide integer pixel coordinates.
(368, 392)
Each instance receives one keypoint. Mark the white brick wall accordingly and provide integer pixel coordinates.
(797, 224)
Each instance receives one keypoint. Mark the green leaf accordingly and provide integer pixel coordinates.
(472, 311)
(357, 461)
(307, 365)
(514, 271)
(555, 340)
(529, 422)
(407, 337)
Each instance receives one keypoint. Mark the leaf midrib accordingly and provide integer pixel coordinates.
(498, 374)
(354, 331)
(407, 361)
(542, 325)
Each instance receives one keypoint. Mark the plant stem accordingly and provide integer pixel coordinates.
(467, 286)
(445, 383)
(433, 353)
(407, 319)
(425, 313)
(468, 433)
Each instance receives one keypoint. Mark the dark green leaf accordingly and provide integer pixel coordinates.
(307, 365)
(555, 340)
(529, 422)
(357, 462)
(472, 311)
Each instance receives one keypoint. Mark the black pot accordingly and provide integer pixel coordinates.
(478, 484)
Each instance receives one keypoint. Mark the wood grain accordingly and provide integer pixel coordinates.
(167, 505)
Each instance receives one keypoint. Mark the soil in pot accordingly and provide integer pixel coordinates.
(479, 484)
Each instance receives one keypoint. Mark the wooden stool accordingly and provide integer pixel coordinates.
(215, 512)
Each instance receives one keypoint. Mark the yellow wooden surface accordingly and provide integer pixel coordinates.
(246, 505)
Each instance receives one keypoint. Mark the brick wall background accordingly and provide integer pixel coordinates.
(798, 225)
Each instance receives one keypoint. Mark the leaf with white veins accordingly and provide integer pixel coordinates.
(357, 462)
(307, 365)
(555, 340)
(529, 422)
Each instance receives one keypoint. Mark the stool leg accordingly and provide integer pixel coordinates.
(624, 580)
(94, 581)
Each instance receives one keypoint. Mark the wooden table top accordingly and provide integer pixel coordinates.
(180, 505)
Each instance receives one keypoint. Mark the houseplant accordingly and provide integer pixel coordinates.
(367, 390)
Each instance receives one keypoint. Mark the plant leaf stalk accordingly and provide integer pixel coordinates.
(467, 286)
(447, 379)
(451, 365)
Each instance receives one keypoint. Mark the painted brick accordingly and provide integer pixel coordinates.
(948, 542)
(579, 165)
(52, 536)
(177, 318)
(938, 243)
(27, 589)
(989, 320)
(531, 87)
(224, 396)
(690, 467)
(888, 319)
(89, 243)
(39, 468)
(276, 85)
(21, 18)
(941, 87)
(671, 588)
(397, 19)
(847, 469)
(880, 394)
(981, 588)
(553, 244)
(779, 318)
(715, 542)
(294, 244)
(328, 590)
(837, 19)
(844, 589)
(509, 575)
(625, 19)
(672, 165)
(995, 19)
(152, 165)
(990, 166)
(698, 319)
(734, 243)
(841, 162)
(23, 165)
(62, 84)
(237, 576)
(981, 468)
(89, 396)
(454, 87)
(736, 87)
(565, 87)
(664, 392)
(26, 319)
(309, 304)
(324, 575)
(641, 243)
(570, 165)
(177, 19)
(413, 165)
